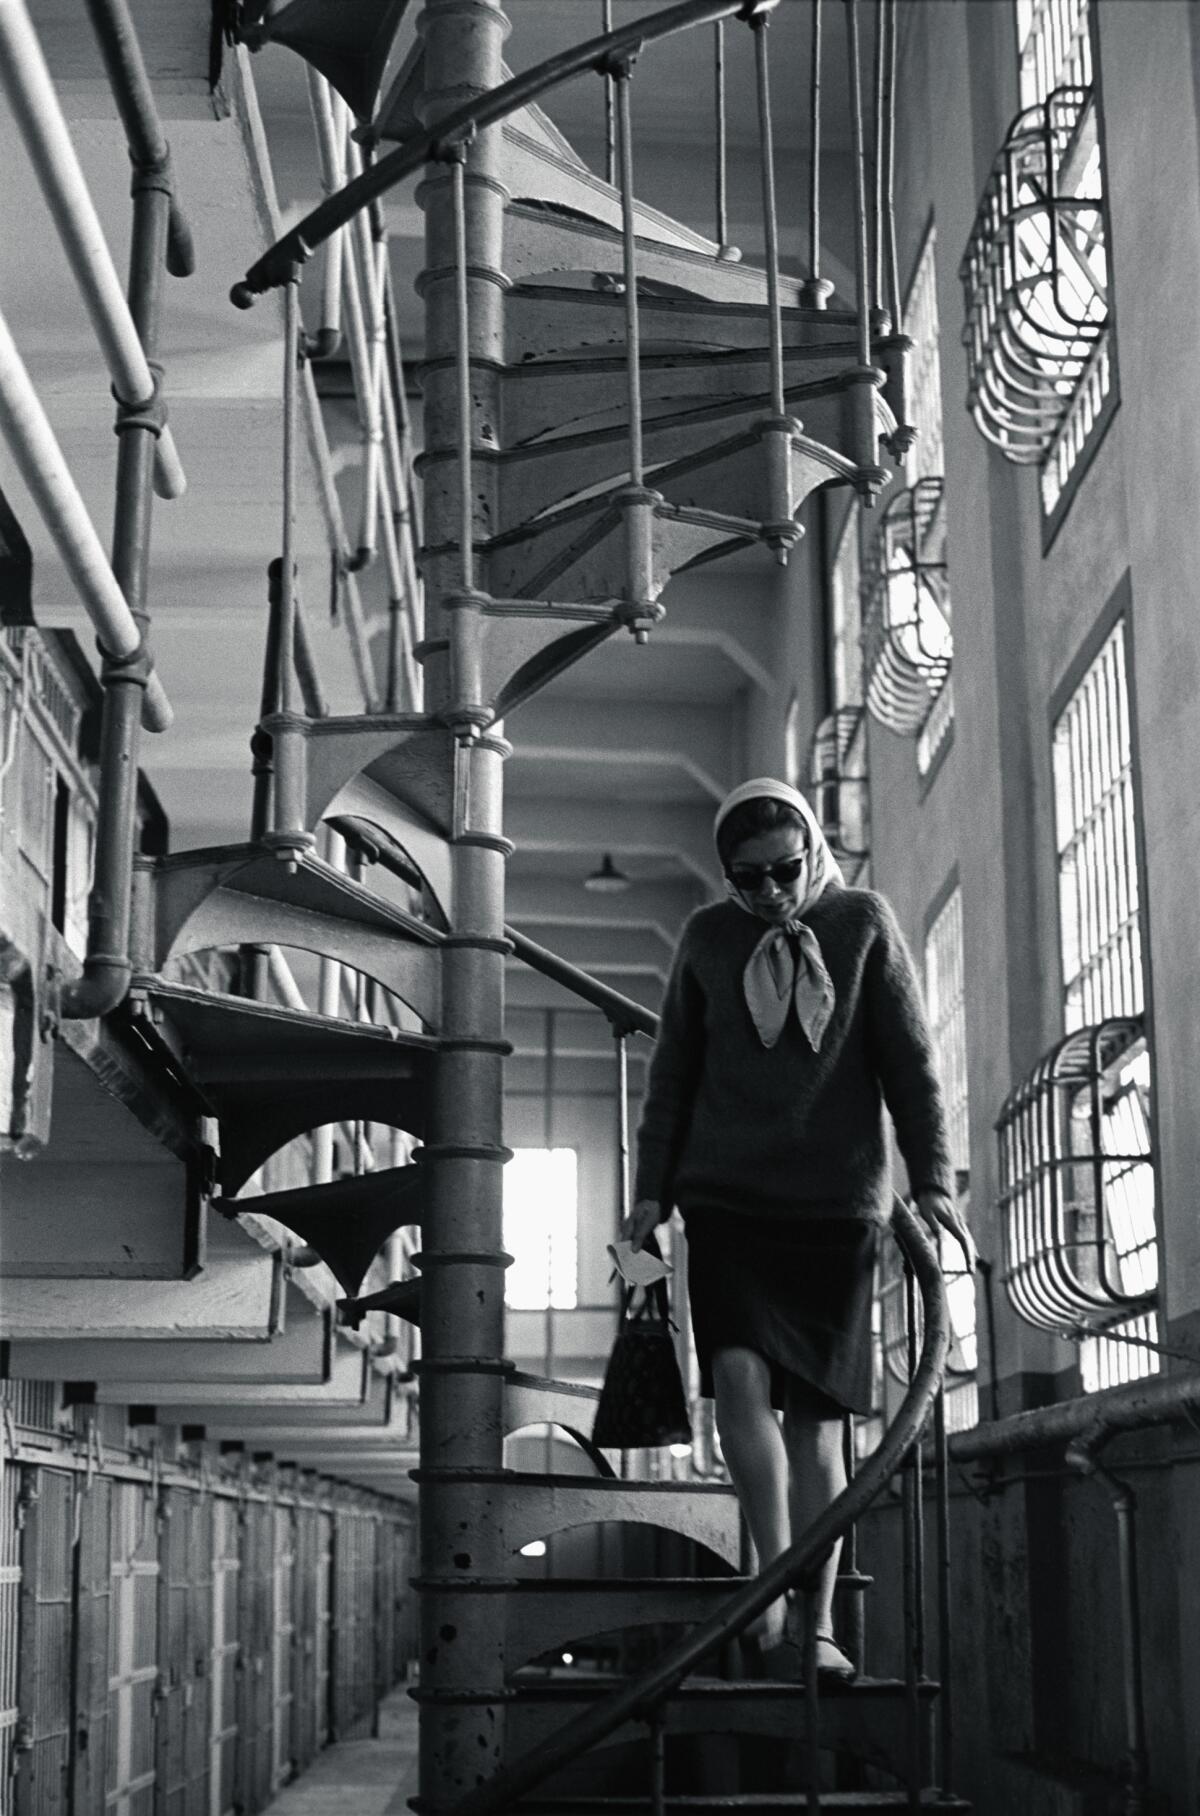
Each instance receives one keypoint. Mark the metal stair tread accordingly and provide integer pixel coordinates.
(212, 1023)
(734, 326)
(311, 885)
(518, 1478)
(567, 1804)
(718, 1690)
(735, 281)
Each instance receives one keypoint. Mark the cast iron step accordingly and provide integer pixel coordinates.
(270, 1074)
(541, 320)
(749, 1802)
(540, 239)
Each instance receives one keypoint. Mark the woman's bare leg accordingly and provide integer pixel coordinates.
(818, 1475)
(757, 1459)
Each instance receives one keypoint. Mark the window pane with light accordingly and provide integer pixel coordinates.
(541, 1233)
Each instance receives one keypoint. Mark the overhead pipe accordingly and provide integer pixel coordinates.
(34, 103)
(118, 40)
(107, 965)
(43, 468)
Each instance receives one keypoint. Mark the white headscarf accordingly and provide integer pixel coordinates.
(780, 972)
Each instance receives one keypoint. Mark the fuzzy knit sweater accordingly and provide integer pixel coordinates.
(786, 1132)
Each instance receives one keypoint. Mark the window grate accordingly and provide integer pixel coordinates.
(1035, 278)
(1095, 816)
(907, 644)
(1077, 1182)
(839, 788)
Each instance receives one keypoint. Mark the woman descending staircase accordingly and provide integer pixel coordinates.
(610, 398)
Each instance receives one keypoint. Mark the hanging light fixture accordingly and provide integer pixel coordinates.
(607, 880)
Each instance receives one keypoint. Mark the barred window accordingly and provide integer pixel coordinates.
(945, 1001)
(1101, 938)
(945, 996)
(1054, 47)
(926, 458)
(846, 616)
(1096, 823)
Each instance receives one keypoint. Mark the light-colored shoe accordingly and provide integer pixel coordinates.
(831, 1660)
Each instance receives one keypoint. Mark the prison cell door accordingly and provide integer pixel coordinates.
(223, 1659)
(93, 1616)
(10, 1591)
(133, 1651)
(43, 1734)
(255, 1701)
(283, 1645)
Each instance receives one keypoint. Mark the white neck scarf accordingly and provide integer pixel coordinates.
(786, 966)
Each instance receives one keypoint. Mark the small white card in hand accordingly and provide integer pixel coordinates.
(641, 1269)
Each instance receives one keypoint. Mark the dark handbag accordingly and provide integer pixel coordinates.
(642, 1402)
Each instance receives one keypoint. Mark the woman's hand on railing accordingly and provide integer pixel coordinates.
(642, 1221)
(939, 1212)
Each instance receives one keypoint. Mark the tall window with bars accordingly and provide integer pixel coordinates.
(926, 459)
(945, 996)
(845, 589)
(838, 754)
(1102, 964)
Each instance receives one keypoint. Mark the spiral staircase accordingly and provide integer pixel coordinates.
(610, 401)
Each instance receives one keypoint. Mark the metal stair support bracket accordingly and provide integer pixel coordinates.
(270, 1074)
(346, 1221)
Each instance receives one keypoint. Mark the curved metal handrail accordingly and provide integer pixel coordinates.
(636, 1699)
(277, 264)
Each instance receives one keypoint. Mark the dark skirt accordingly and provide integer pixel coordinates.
(799, 1293)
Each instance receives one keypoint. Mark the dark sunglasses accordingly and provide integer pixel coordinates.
(749, 878)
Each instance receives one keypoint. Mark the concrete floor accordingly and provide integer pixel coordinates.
(361, 1777)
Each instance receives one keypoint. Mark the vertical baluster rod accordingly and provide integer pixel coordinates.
(892, 258)
(766, 144)
(462, 357)
(861, 248)
(658, 1763)
(722, 136)
(877, 147)
(623, 1193)
(621, 75)
(849, 1560)
(610, 104)
(286, 648)
(941, 1462)
(812, 1707)
(913, 1588)
(817, 289)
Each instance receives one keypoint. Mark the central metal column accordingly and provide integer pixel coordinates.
(464, 1558)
